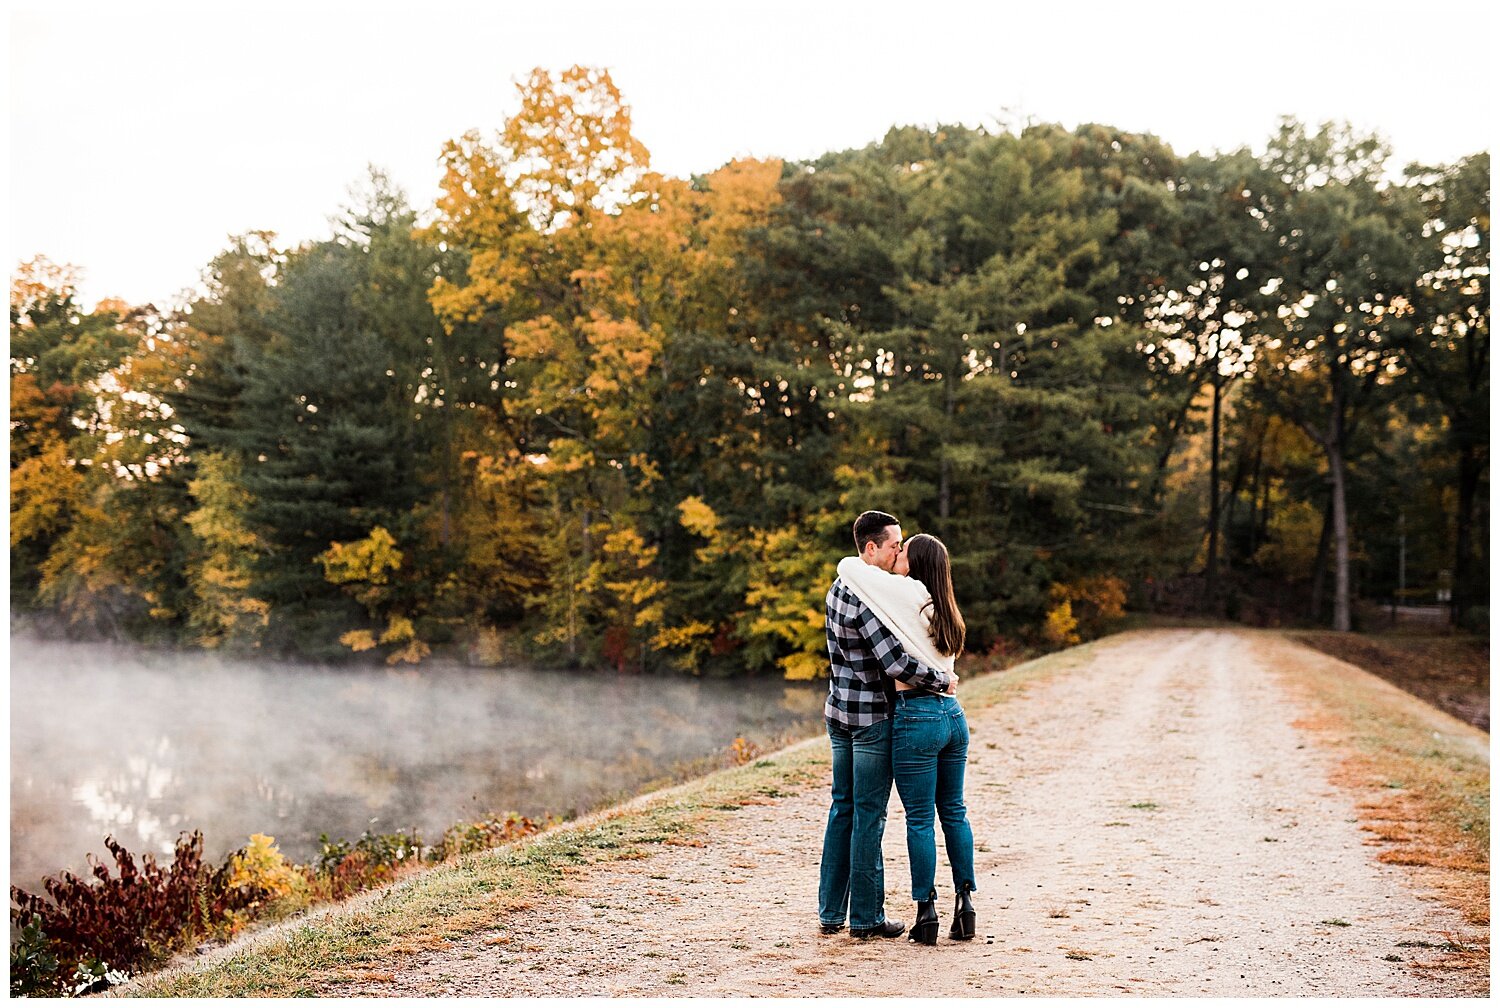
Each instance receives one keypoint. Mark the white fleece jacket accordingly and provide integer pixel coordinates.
(899, 602)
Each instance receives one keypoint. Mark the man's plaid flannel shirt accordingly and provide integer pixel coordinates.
(865, 658)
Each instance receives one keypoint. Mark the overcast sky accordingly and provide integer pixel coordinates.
(143, 135)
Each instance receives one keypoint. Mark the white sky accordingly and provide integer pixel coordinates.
(143, 135)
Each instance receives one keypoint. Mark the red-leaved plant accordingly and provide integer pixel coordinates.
(126, 920)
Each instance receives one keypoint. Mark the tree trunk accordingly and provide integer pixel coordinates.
(1230, 507)
(1168, 445)
(1210, 580)
(1320, 562)
(1335, 449)
(1469, 470)
(945, 467)
(945, 491)
(1263, 530)
(445, 530)
(1255, 507)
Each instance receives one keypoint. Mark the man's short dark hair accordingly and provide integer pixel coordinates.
(870, 528)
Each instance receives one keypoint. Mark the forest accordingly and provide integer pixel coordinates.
(579, 413)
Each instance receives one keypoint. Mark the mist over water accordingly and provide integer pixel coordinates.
(112, 739)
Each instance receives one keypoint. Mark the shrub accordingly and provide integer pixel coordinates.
(345, 868)
(116, 923)
(259, 882)
(93, 931)
(1095, 603)
(1061, 628)
(492, 831)
(33, 966)
(348, 875)
(742, 751)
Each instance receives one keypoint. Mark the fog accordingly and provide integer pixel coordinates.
(112, 739)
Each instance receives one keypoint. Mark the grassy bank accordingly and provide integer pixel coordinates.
(1423, 778)
(479, 892)
(1449, 671)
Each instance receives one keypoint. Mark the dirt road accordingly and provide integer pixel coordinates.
(1148, 823)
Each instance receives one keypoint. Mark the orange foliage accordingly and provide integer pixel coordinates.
(39, 282)
(571, 147)
(1091, 604)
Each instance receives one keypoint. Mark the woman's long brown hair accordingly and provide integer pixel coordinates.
(927, 558)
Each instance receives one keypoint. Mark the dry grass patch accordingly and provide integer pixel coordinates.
(1422, 780)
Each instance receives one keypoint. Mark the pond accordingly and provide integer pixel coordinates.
(140, 744)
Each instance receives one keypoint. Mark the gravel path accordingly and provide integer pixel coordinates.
(1149, 823)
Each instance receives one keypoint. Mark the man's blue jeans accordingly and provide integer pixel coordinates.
(853, 873)
(929, 744)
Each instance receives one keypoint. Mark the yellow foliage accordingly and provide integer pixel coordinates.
(220, 575)
(44, 491)
(623, 570)
(1294, 532)
(371, 559)
(370, 562)
(742, 750)
(698, 518)
(399, 629)
(37, 416)
(622, 352)
(572, 145)
(1061, 627)
(80, 568)
(262, 871)
(412, 654)
(804, 665)
(1095, 602)
(1104, 592)
(685, 636)
(692, 642)
(787, 581)
(358, 640)
(785, 585)
(499, 507)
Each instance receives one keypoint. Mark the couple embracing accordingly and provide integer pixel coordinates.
(894, 630)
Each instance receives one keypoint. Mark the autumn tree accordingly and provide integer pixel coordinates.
(1340, 292)
(527, 210)
(95, 497)
(1447, 353)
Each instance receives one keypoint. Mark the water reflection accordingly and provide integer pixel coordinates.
(111, 739)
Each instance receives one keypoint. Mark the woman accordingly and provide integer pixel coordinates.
(929, 735)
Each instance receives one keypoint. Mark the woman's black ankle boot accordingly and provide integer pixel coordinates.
(925, 930)
(963, 917)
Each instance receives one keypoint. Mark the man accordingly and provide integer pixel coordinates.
(865, 656)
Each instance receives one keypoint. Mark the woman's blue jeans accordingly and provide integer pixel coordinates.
(929, 745)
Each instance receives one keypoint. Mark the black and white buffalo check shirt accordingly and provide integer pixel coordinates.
(865, 658)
